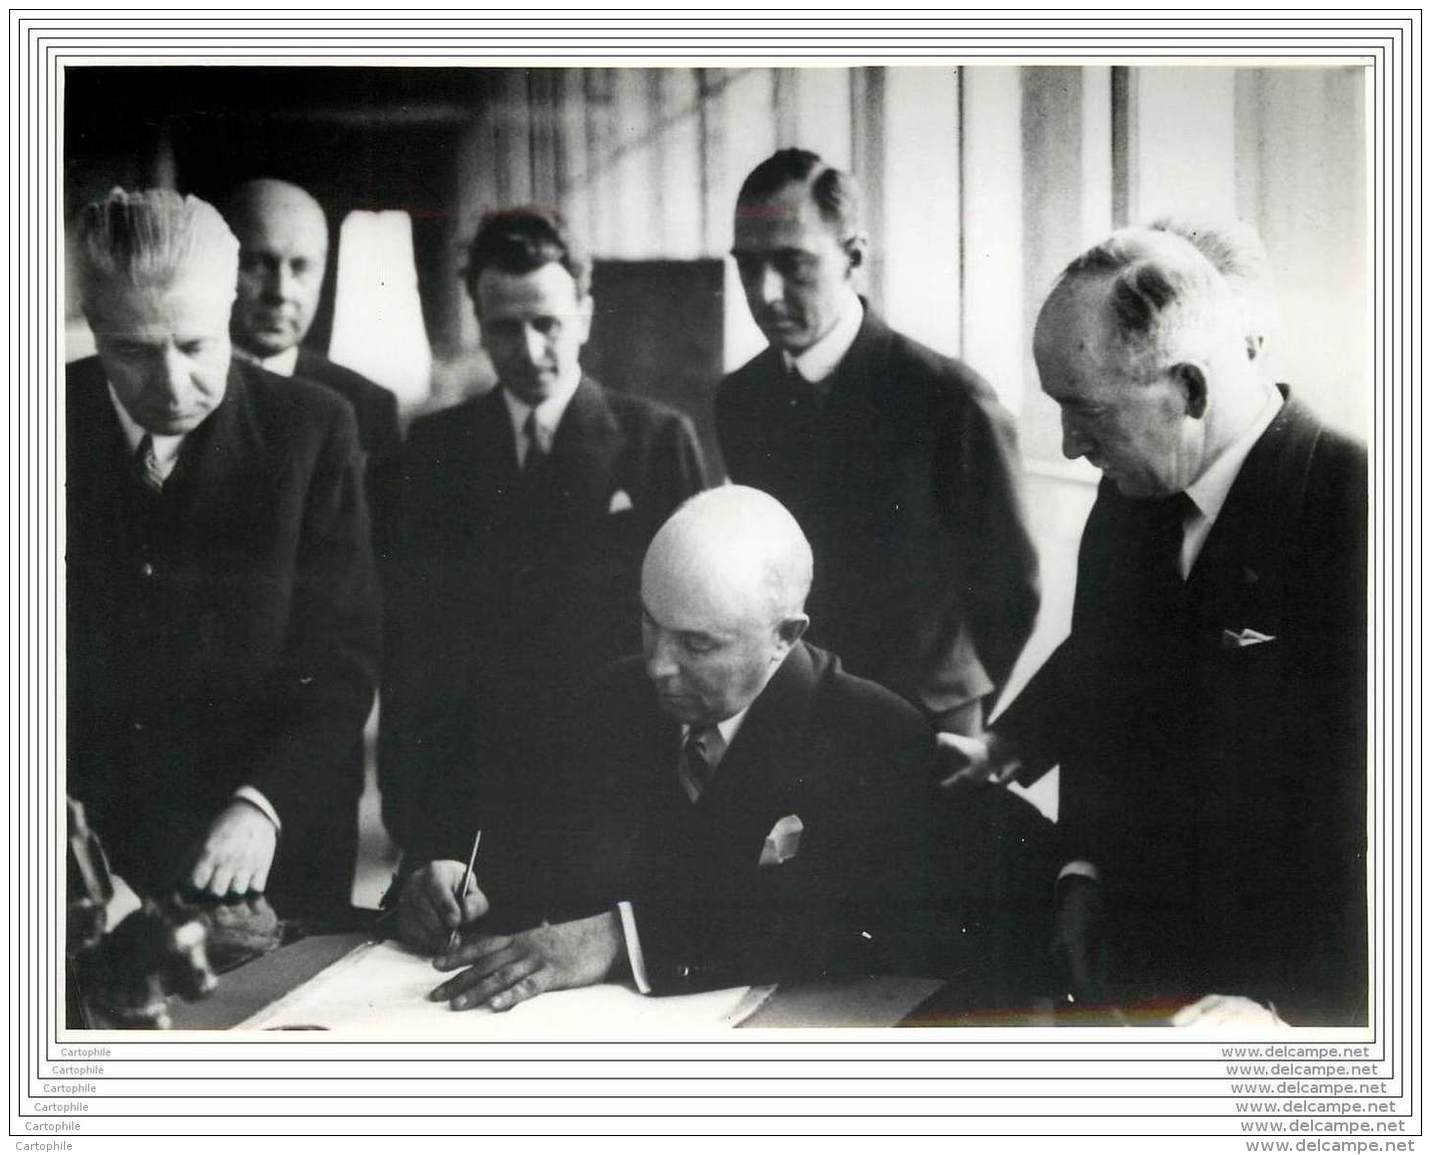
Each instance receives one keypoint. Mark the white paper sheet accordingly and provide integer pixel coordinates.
(381, 988)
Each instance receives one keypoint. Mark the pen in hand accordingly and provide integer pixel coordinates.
(462, 890)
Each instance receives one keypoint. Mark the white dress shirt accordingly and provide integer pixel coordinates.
(285, 364)
(549, 414)
(824, 356)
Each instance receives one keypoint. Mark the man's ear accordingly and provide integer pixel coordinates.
(791, 630)
(1193, 382)
(586, 308)
(857, 249)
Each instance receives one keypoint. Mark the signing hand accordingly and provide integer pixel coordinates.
(502, 971)
(1213, 1012)
(429, 909)
(237, 852)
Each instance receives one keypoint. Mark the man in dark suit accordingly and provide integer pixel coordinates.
(521, 517)
(283, 253)
(899, 463)
(735, 808)
(1208, 710)
(222, 605)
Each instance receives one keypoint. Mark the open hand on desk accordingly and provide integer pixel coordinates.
(503, 970)
(429, 909)
(236, 854)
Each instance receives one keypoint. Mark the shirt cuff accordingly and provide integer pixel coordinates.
(1081, 869)
(633, 946)
(255, 797)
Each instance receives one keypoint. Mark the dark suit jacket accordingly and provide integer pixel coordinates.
(225, 633)
(849, 758)
(376, 408)
(1221, 789)
(907, 485)
(506, 589)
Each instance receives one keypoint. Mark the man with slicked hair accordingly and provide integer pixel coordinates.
(734, 807)
(1208, 710)
(222, 603)
(283, 253)
(899, 463)
(519, 519)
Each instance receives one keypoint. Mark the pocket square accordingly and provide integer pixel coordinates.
(783, 841)
(620, 502)
(1244, 638)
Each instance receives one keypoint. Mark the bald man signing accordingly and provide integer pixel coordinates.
(735, 808)
(283, 253)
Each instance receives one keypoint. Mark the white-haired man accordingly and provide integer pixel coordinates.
(222, 605)
(1208, 710)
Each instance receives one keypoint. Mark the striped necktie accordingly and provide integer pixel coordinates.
(700, 755)
(146, 466)
(535, 453)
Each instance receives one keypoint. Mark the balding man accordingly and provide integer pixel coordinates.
(283, 254)
(1208, 710)
(223, 613)
(736, 809)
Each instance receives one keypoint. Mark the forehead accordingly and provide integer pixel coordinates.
(1073, 341)
(684, 590)
(283, 226)
(547, 291)
(790, 219)
(196, 306)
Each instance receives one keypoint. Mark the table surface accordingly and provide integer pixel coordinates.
(881, 1001)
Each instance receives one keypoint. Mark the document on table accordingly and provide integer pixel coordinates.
(381, 988)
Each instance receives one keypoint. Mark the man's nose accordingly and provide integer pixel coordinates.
(660, 658)
(769, 286)
(171, 376)
(1075, 443)
(534, 345)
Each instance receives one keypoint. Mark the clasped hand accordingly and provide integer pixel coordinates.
(500, 970)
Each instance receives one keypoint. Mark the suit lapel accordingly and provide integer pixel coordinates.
(226, 456)
(758, 780)
(583, 453)
(1240, 573)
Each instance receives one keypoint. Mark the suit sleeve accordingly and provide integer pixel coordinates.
(996, 561)
(680, 466)
(325, 686)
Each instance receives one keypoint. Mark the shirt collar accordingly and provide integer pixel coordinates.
(728, 730)
(285, 364)
(166, 445)
(1209, 492)
(820, 359)
(549, 412)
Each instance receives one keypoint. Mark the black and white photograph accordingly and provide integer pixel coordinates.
(660, 575)
(688, 547)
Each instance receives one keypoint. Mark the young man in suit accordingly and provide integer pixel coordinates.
(283, 254)
(735, 808)
(222, 602)
(1208, 710)
(520, 521)
(899, 463)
